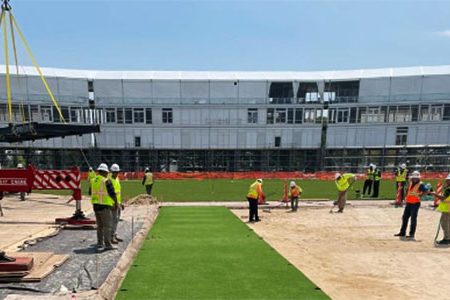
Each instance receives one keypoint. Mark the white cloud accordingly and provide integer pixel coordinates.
(444, 33)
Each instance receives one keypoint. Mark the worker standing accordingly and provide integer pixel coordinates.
(147, 181)
(253, 195)
(401, 179)
(376, 181)
(104, 200)
(294, 193)
(343, 183)
(369, 180)
(416, 189)
(116, 211)
(444, 208)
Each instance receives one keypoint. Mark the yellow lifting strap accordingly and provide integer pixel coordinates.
(38, 69)
(8, 80)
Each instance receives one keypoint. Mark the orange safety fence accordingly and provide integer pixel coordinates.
(254, 175)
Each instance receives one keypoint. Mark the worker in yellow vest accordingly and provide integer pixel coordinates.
(103, 198)
(147, 181)
(416, 189)
(294, 193)
(115, 169)
(401, 180)
(376, 181)
(343, 183)
(444, 208)
(369, 180)
(254, 193)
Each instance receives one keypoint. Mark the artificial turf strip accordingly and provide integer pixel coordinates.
(208, 253)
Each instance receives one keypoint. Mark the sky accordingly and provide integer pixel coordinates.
(246, 35)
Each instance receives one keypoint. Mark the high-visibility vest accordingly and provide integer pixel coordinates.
(91, 175)
(295, 191)
(99, 193)
(253, 190)
(342, 183)
(377, 175)
(117, 189)
(148, 178)
(444, 206)
(400, 175)
(413, 195)
(370, 174)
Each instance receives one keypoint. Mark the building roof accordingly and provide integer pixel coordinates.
(238, 75)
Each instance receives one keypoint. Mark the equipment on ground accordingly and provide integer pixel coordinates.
(29, 179)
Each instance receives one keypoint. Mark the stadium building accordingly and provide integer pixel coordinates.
(238, 121)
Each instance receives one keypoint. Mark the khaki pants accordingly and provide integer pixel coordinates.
(445, 224)
(115, 215)
(104, 227)
(342, 198)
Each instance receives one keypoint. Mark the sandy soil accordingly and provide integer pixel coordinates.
(354, 255)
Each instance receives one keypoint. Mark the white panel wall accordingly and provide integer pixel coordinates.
(194, 89)
(166, 88)
(406, 85)
(108, 92)
(223, 89)
(36, 87)
(436, 84)
(252, 89)
(374, 89)
(137, 89)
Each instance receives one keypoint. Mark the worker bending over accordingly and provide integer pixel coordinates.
(416, 190)
(254, 193)
(343, 183)
(294, 193)
(104, 200)
(147, 181)
(444, 208)
(116, 211)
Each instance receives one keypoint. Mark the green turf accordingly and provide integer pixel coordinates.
(208, 253)
(236, 190)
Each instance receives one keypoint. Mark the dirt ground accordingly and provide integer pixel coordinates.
(354, 255)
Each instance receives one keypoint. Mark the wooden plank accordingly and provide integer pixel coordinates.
(46, 268)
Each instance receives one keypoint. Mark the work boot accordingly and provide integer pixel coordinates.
(340, 210)
(411, 237)
(114, 241)
(258, 220)
(399, 234)
(118, 238)
(443, 242)
(110, 248)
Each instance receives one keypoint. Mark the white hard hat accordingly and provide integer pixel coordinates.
(19, 165)
(403, 166)
(371, 165)
(448, 177)
(292, 183)
(90, 169)
(103, 167)
(259, 180)
(115, 168)
(374, 166)
(337, 175)
(415, 174)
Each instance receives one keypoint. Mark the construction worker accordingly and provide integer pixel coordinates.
(254, 193)
(115, 169)
(91, 174)
(444, 208)
(376, 181)
(21, 194)
(369, 180)
(147, 181)
(294, 193)
(104, 200)
(416, 190)
(343, 183)
(401, 180)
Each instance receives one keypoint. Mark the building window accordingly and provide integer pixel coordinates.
(278, 141)
(128, 116)
(148, 116)
(46, 113)
(436, 113)
(298, 115)
(110, 115)
(290, 116)
(402, 136)
(342, 115)
(167, 115)
(138, 115)
(353, 114)
(403, 114)
(120, 115)
(137, 141)
(34, 111)
(280, 115)
(270, 115)
(309, 115)
(252, 115)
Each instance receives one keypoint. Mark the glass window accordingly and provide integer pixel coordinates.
(424, 112)
(403, 114)
(446, 112)
(110, 115)
(167, 116)
(46, 113)
(402, 136)
(414, 113)
(252, 115)
(436, 113)
(137, 141)
(278, 141)
(343, 115)
(298, 115)
(34, 110)
(148, 116)
(138, 115)
(120, 115)
(312, 97)
(361, 115)
(128, 116)
(290, 116)
(353, 114)
(309, 115)
(270, 115)
(280, 115)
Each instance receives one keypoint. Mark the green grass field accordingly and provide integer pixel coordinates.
(208, 253)
(236, 190)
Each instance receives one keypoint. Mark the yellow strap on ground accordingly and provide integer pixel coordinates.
(16, 60)
(8, 82)
(33, 60)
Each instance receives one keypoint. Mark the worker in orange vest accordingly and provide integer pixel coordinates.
(416, 189)
(294, 192)
(255, 193)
